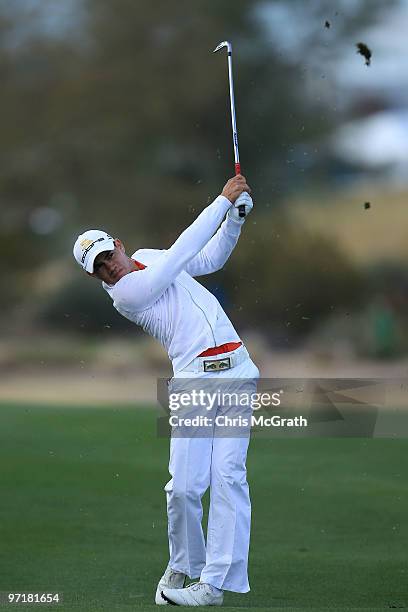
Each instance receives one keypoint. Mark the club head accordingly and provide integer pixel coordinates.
(223, 44)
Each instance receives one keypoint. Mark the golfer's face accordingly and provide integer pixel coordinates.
(111, 266)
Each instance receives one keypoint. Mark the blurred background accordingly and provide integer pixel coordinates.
(115, 115)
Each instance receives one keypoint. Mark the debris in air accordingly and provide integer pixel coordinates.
(363, 50)
(327, 24)
(367, 205)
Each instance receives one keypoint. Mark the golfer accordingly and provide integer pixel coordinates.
(157, 290)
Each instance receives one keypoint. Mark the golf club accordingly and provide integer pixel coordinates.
(227, 44)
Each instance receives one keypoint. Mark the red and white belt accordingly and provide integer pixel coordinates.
(218, 358)
(228, 347)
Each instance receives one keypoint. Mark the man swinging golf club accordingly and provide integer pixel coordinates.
(157, 290)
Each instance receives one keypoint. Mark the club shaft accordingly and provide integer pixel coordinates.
(234, 123)
(233, 116)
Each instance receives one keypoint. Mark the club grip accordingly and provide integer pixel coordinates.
(241, 209)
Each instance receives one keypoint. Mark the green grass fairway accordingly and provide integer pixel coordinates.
(82, 512)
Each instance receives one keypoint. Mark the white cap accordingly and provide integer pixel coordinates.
(89, 244)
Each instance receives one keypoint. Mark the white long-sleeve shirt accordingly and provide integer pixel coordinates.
(165, 299)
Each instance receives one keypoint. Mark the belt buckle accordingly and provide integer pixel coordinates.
(217, 365)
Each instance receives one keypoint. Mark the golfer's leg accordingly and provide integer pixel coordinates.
(190, 460)
(229, 520)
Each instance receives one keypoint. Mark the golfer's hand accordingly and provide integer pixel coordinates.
(243, 200)
(234, 187)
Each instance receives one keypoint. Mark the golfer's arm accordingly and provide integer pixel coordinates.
(217, 250)
(139, 290)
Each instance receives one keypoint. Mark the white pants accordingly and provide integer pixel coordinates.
(218, 462)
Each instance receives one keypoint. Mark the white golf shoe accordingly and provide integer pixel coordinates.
(170, 580)
(197, 594)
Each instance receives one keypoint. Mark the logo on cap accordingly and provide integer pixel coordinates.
(85, 243)
(90, 244)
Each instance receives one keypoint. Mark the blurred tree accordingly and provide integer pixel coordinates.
(80, 306)
(125, 123)
(289, 280)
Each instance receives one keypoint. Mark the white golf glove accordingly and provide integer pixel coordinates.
(243, 200)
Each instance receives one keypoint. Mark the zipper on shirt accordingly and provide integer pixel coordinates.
(205, 316)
